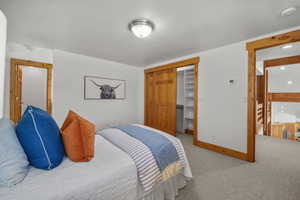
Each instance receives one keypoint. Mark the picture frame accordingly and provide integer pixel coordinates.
(100, 88)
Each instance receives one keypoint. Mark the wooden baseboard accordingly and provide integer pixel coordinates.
(222, 150)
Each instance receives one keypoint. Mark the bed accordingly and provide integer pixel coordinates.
(111, 175)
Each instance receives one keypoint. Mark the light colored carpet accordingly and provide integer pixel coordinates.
(274, 176)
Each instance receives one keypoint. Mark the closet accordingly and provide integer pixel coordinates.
(161, 95)
(160, 100)
(188, 81)
(185, 100)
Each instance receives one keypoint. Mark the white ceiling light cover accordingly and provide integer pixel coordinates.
(288, 11)
(141, 28)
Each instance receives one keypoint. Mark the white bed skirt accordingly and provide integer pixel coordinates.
(167, 190)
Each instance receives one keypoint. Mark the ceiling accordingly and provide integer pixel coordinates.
(278, 52)
(273, 53)
(98, 28)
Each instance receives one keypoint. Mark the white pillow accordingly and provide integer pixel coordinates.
(13, 160)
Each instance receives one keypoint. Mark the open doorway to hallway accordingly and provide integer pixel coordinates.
(278, 92)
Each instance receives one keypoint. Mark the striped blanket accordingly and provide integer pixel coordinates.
(162, 149)
(148, 170)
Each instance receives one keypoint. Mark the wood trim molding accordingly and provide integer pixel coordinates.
(266, 86)
(195, 61)
(196, 111)
(273, 41)
(284, 97)
(190, 61)
(252, 47)
(251, 128)
(282, 61)
(16, 86)
(222, 150)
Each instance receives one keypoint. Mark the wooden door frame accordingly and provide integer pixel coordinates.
(16, 85)
(191, 61)
(272, 97)
(252, 47)
(265, 103)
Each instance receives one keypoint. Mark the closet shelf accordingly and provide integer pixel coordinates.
(188, 94)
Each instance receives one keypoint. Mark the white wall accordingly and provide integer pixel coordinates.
(259, 68)
(2, 59)
(68, 72)
(31, 78)
(278, 79)
(222, 109)
(286, 112)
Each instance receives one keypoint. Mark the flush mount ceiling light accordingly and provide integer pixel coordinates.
(282, 68)
(288, 46)
(288, 11)
(141, 28)
(290, 82)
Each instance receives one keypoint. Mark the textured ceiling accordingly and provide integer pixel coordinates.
(98, 28)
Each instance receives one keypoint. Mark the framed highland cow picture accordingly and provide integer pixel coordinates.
(98, 88)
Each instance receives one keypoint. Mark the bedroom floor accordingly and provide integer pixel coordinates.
(275, 175)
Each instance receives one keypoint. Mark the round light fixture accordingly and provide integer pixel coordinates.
(290, 82)
(288, 11)
(141, 28)
(282, 68)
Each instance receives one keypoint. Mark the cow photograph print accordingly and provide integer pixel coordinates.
(103, 88)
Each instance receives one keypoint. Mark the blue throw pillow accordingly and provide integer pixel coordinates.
(13, 161)
(40, 137)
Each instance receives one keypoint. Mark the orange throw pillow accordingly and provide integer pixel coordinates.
(79, 138)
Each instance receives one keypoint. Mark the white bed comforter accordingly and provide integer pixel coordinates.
(111, 175)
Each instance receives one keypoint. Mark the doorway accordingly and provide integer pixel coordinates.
(31, 84)
(252, 48)
(282, 96)
(278, 93)
(185, 101)
(160, 101)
